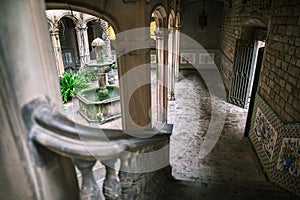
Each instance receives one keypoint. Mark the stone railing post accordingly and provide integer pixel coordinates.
(89, 188)
(111, 186)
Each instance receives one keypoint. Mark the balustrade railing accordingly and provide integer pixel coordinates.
(144, 156)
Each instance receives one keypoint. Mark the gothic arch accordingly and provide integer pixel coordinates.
(160, 16)
(257, 21)
(95, 11)
(138, 111)
(69, 15)
(50, 22)
(172, 19)
(90, 19)
(177, 20)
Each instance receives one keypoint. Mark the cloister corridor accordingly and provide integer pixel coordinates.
(230, 170)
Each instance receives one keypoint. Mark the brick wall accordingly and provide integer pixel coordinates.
(279, 84)
(230, 32)
(279, 81)
(277, 103)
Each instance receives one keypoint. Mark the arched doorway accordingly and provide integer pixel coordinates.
(248, 58)
(68, 42)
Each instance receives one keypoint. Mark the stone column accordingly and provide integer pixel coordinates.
(171, 64)
(28, 73)
(136, 96)
(134, 80)
(57, 51)
(83, 44)
(162, 76)
(176, 51)
(105, 37)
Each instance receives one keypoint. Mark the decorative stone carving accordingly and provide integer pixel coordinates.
(106, 38)
(111, 186)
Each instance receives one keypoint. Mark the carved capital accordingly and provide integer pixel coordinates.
(161, 33)
(81, 28)
(54, 31)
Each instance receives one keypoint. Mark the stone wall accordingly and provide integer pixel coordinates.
(281, 64)
(275, 123)
(279, 83)
(207, 38)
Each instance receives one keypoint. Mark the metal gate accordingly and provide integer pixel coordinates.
(244, 61)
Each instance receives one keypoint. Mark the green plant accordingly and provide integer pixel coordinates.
(113, 66)
(103, 95)
(70, 84)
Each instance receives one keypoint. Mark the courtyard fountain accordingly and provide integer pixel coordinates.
(100, 104)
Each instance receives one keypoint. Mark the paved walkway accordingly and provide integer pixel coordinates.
(231, 170)
(191, 115)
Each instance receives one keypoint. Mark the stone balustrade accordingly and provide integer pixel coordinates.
(143, 156)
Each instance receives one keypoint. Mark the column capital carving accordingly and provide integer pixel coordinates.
(161, 33)
(81, 27)
(172, 29)
(54, 31)
(177, 27)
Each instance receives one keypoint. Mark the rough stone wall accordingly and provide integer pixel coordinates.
(281, 66)
(275, 125)
(279, 81)
(230, 32)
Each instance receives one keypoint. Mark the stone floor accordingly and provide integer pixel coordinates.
(230, 171)
(230, 159)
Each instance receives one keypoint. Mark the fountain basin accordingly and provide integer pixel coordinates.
(99, 67)
(95, 109)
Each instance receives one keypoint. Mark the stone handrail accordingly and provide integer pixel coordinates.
(144, 155)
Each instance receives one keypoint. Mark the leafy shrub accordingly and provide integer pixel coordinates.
(70, 84)
(113, 91)
(103, 95)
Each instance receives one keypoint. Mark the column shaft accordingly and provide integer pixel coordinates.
(162, 76)
(57, 51)
(83, 44)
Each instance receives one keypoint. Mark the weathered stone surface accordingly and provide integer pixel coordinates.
(282, 46)
(230, 170)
